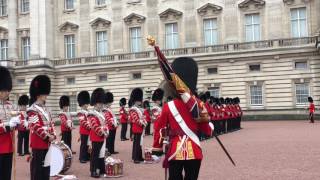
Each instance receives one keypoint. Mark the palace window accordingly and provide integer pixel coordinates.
(252, 27)
(214, 91)
(256, 95)
(299, 22)
(102, 78)
(210, 32)
(136, 75)
(69, 4)
(212, 70)
(25, 49)
(100, 2)
(254, 67)
(70, 46)
(70, 80)
(301, 65)
(73, 104)
(3, 7)
(172, 36)
(135, 39)
(3, 49)
(24, 6)
(102, 43)
(302, 93)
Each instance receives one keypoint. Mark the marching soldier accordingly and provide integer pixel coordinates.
(157, 147)
(130, 104)
(184, 150)
(112, 123)
(84, 101)
(98, 133)
(7, 125)
(138, 124)
(23, 129)
(41, 125)
(239, 110)
(311, 109)
(123, 119)
(66, 121)
(146, 113)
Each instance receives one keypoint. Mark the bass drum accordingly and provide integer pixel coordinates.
(61, 158)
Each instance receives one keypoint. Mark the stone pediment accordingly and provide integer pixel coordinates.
(3, 29)
(68, 26)
(100, 22)
(288, 2)
(247, 3)
(3, 33)
(170, 13)
(134, 18)
(209, 8)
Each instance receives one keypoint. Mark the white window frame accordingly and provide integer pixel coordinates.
(135, 39)
(299, 19)
(3, 7)
(3, 49)
(214, 91)
(304, 68)
(172, 36)
(102, 42)
(299, 101)
(66, 4)
(255, 102)
(67, 80)
(132, 75)
(253, 26)
(25, 6)
(213, 31)
(73, 103)
(69, 45)
(100, 75)
(100, 2)
(25, 48)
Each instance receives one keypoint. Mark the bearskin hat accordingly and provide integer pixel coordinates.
(123, 102)
(130, 103)
(146, 104)
(23, 100)
(64, 101)
(221, 100)
(207, 95)
(40, 85)
(6, 80)
(203, 97)
(136, 95)
(169, 98)
(237, 100)
(97, 96)
(157, 95)
(187, 70)
(83, 98)
(310, 99)
(109, 97)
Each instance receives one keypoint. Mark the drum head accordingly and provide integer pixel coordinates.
(57, 160)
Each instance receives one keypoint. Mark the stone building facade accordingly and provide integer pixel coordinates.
(263, 51)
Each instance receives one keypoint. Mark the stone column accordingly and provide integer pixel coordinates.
(190, 24)
(12, 30)
(84, 29)
(117, 27)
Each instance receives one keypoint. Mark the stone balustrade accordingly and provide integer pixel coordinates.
(223, 48)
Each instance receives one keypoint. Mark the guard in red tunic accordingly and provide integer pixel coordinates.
(146, 113)
(66, 121)
(112, 123)
(23, 129)
(123, 119)
(7, 125)
(84, 102)
(311, 110)
(130, 104)
(184, 151)
(157, 98)
(41, 126)
(98, 133)
(138, 123)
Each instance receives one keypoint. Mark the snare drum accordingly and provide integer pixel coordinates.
(61, 158)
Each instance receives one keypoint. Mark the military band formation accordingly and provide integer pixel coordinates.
(181, 118)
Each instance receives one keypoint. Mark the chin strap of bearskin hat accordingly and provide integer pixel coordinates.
(195, 105)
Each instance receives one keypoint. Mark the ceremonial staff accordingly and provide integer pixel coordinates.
(195, 105)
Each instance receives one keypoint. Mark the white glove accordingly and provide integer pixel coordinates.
(14, 122)
(26, 124)
(211, 126)
(69, 123)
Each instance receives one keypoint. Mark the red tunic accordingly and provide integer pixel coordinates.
(65, 122)
(311, 108)
(40, 127)
(136, 118)
(208, 107)
(84, 123)
(5, 136)
(190, 150)
(146, 113)
(98, 128)
(110, 119)
(23, 119)
(123, 115)
(157, 135)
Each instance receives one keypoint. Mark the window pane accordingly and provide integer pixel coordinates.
(3, 49)
(73, 104)
(302, 93)
(69, 46)
(301, 65)
(25, 48)
(210, 32)
(172, 36)
(102, 43)
(303, 28)
(256, 95)
(135, 39)
(299, 22)
(214, 91)
(69, 4)
(252, 27)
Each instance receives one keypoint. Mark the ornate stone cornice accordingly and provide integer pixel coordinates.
(68, 26)
(100, 23)
(288, 2)
(209, 8)
(134, 18)
(247, 3)
(170, 13)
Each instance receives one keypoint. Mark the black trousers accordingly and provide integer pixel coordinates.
(5, 166)
(67, 138)
(23, 141)
(136, 148)
(84, 154)
(124, 127)
(97, 163)
(311, 117)
(111, 140)
(148, 127)
(38, 172)
(191, 169)
(131, 134)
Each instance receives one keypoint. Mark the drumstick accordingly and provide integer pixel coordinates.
(14, 154)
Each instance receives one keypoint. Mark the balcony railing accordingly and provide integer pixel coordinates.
(223, 48)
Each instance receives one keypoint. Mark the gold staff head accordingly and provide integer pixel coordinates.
(151, 40)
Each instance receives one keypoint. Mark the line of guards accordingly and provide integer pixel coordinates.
(225, 113)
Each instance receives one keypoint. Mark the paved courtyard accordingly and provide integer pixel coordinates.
(262, 150)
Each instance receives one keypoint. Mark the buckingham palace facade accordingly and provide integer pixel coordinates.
(265, 52)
